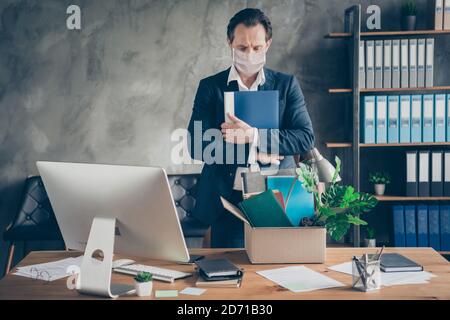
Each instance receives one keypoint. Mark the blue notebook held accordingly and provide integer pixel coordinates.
(445, 228)
(433, 227)
(410, 226)
(399, 226)
(301, 202)
(260, 109)
(422, 226)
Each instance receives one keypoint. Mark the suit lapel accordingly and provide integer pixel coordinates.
(270, 82)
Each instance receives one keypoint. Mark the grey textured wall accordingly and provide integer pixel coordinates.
(114, 92)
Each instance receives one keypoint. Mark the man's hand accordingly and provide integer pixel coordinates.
(265, 158)
(238, 132)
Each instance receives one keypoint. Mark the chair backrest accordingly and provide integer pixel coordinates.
(184, 192)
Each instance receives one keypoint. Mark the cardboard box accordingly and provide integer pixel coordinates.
(282, 245)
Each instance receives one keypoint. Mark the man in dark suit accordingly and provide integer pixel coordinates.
(249, 37)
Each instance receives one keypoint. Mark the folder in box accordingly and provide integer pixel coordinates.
(416, 118)
(362, 65)
(404, 62)
(412, 186)
(422, 226)
(399, 225)
(445, 227)
(447, 108)
(368, 122)
(446, 15)
(447, 174)
(413, 63)
(429, 68)
(381, 119)
(370, 64)
(428, 118)
(405, 119)
(395, 63)
(379, 64)
(393, 119)
(424, 174)
(433, 227)
(387, 65)
(439, 118)
(437, 185)
(410, 226)
(421, 44)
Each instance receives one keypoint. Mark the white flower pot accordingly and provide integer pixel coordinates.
(370, 243)
(379, 189)
(143, 289)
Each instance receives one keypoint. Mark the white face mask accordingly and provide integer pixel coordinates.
(249, 63)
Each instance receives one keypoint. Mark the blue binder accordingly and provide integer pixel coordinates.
(301, 202)
(416, 118)
(393, 113)
(422, 226)
(433, 227)
(381, 119)
(448, 117)
(368, 120)
(410, 226)
(445, 228)
(405, 119)
(428, 118)
(399, 226)
(439, 118)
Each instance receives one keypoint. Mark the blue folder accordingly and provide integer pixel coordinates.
(410, 226)
(448, 117)
(393, 121)
(405, 119)
(368, 120)
(301, 202)
(428, 118)
(399, 226)
(445, 228)
(422, 226)
(416, 118)
(439, 118)
(260, 109)
(381, 119)
(433, 227)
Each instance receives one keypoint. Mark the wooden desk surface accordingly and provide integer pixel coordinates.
(254, 287)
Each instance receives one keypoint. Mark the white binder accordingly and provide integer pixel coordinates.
(429, 73)
(438, 13)
(362, 66)
(370, 64)
(421, 63)
(395, 63)
(447, 15)
(404, 64)
(387, 66)
(413, 63)
(379, 64)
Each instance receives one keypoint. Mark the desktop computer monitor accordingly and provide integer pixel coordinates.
(140, 199)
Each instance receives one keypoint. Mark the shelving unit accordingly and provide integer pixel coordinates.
(352, 33)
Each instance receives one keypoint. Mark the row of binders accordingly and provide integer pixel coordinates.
(406, 119)
(396, 63)
(441, 10)
(428, 173)
(422, 226)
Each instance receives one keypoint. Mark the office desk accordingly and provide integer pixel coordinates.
(254, 287)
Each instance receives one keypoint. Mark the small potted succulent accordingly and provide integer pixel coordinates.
(379, 180)
(143, 284)
(370, 240)
(409, 16)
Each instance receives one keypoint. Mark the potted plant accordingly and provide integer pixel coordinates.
(409, 16)
(370, 240)
(379, 180)
(337, 206)
(143, 284)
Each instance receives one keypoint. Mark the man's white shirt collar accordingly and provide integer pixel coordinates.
(234, 76)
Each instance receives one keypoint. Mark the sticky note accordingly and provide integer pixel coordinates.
(166, 293)
(193, 291)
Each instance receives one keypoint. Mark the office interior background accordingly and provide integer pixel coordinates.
(116, 90)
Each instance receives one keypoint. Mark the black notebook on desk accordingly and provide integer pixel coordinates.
(394, 262)
(211, 268)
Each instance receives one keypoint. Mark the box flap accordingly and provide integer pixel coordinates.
(234, 210)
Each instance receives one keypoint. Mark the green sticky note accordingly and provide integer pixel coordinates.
(166, 293)
(296, 286)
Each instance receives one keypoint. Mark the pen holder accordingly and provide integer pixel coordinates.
(366, 276)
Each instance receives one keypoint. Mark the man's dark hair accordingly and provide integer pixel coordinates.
(250, 17)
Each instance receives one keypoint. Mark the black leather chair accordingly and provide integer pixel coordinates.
(35, 220)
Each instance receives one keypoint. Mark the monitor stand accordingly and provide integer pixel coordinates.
(96, 267)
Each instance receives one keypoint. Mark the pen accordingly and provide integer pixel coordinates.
(379, 256)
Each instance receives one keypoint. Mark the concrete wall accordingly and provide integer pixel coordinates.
(114, 91)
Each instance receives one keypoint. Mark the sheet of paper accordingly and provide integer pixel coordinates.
(166, 293)
(193, 291)
(300, 279)
(50, 271)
